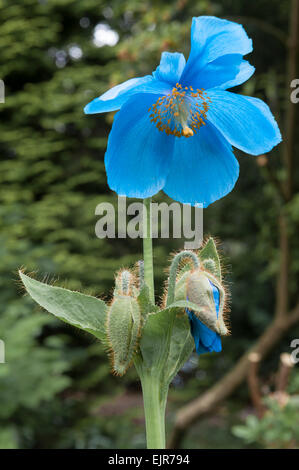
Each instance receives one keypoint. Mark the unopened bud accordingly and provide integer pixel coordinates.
(209, 265)
(123, 331)
(124, 283)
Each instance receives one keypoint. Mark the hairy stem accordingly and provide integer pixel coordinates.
(154, 400)
(148, 248)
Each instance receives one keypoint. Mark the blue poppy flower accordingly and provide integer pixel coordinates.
(205, 339)
(176, 128)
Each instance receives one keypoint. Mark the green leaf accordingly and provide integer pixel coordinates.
(209, 252)
(158, 354)
(80, 310)
(154, 335)
(144, 301)
(181, 347)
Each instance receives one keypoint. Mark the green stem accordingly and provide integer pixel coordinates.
(154, 400)
(148, 248)
(154, 392)
(154, 397)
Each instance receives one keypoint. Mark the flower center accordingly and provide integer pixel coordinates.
(182, 112)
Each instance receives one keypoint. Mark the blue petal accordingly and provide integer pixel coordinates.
(114, 98)
(246, 70)
(216, 296)
(212, 38)
(205, 339)
(203, 168)
(171, 67)
(138, 155)
(222, 72)
(247, 123)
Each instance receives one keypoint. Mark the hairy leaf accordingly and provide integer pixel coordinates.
(80, 310)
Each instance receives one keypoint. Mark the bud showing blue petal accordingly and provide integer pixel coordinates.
(205, 290)
(205, 340)
(207, 323)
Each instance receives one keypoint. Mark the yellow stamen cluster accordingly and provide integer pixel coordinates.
(182, 112)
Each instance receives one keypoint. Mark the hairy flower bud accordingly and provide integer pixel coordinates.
(124, 282)
(209, 265)
(123, 331)
(204, 290)
(181, 286)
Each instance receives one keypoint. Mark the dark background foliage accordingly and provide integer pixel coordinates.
(56, 390)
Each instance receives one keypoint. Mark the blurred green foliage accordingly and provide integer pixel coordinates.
(278, 428)
(55, 388)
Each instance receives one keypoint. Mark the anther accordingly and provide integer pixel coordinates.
(187, 132)
(182, 112)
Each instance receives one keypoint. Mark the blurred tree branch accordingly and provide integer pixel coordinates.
(283, 318)
(254, 383)
(284, 371)
(262, 25)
